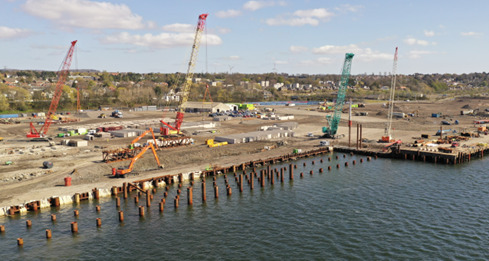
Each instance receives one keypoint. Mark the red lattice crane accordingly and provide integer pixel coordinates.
(188, 78)
(62, 74)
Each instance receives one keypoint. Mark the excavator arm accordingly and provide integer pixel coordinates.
(143, 134)
(122, 172)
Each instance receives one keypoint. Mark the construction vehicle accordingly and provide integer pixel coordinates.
(166, 127)
(387, 134)
(102, 116)
(117, 114)
(62, 74)
(333, 122)
(212, 144)
(121, 172)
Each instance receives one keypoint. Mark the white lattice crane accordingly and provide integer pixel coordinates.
(188, 78)
(387, 135)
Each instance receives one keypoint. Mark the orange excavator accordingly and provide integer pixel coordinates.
(121, 172)
(142, 135)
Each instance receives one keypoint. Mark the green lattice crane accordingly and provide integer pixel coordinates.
(333, 122)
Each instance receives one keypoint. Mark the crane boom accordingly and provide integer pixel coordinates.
(62, 74)
(387, 137)
(333, 122)
(190, 74)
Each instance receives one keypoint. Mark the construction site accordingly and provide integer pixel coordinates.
(102, 151)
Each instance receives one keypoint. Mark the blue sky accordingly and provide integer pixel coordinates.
(291, 36)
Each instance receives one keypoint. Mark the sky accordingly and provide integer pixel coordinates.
(289, 36)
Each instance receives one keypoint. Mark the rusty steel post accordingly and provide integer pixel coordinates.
(2, 228)
(252, 185)
(141, 211)
(204, 195)
(175, 201)
(162, 206)
(28, 223)
(262, 178)
(74, 227)
(358, 134)
(76, 213)
(53, 217)
(361, 135)
(121, 216)
(20, 241)
(241, 183)
(190, 196)
(49, 234)
(118, 202)
(99, 222)
(216, 192)
(124, 188)
(291, 172)
(148, 198)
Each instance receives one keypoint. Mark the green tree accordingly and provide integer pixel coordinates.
(4, 105)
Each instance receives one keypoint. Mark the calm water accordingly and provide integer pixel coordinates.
(378, 210)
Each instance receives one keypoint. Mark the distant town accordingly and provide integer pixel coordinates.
(27, 90)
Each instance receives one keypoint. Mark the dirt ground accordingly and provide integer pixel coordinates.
(26, 180)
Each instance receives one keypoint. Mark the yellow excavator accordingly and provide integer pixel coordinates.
(121, 172)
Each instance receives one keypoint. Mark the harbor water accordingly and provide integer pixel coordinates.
(376, 210)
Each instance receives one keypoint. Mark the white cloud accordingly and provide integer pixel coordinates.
(179, 28)
(349, 8)
(85, 14)
(414, 41)
(48, 47)
(163, 40)
(336, 49)
(292, 21)
(298, 49)
(12, 33)
(280, 62)
(429, 33)
(476, 34)
(234, 57)
(368, 55)
(317, 61)
(223, 30)
(363, 54)
(321, 13)
(228, 13)
(151, 25)
(302, 17)
(415, 54)
(255, 5)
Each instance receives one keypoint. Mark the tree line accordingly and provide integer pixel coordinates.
(136, 89)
